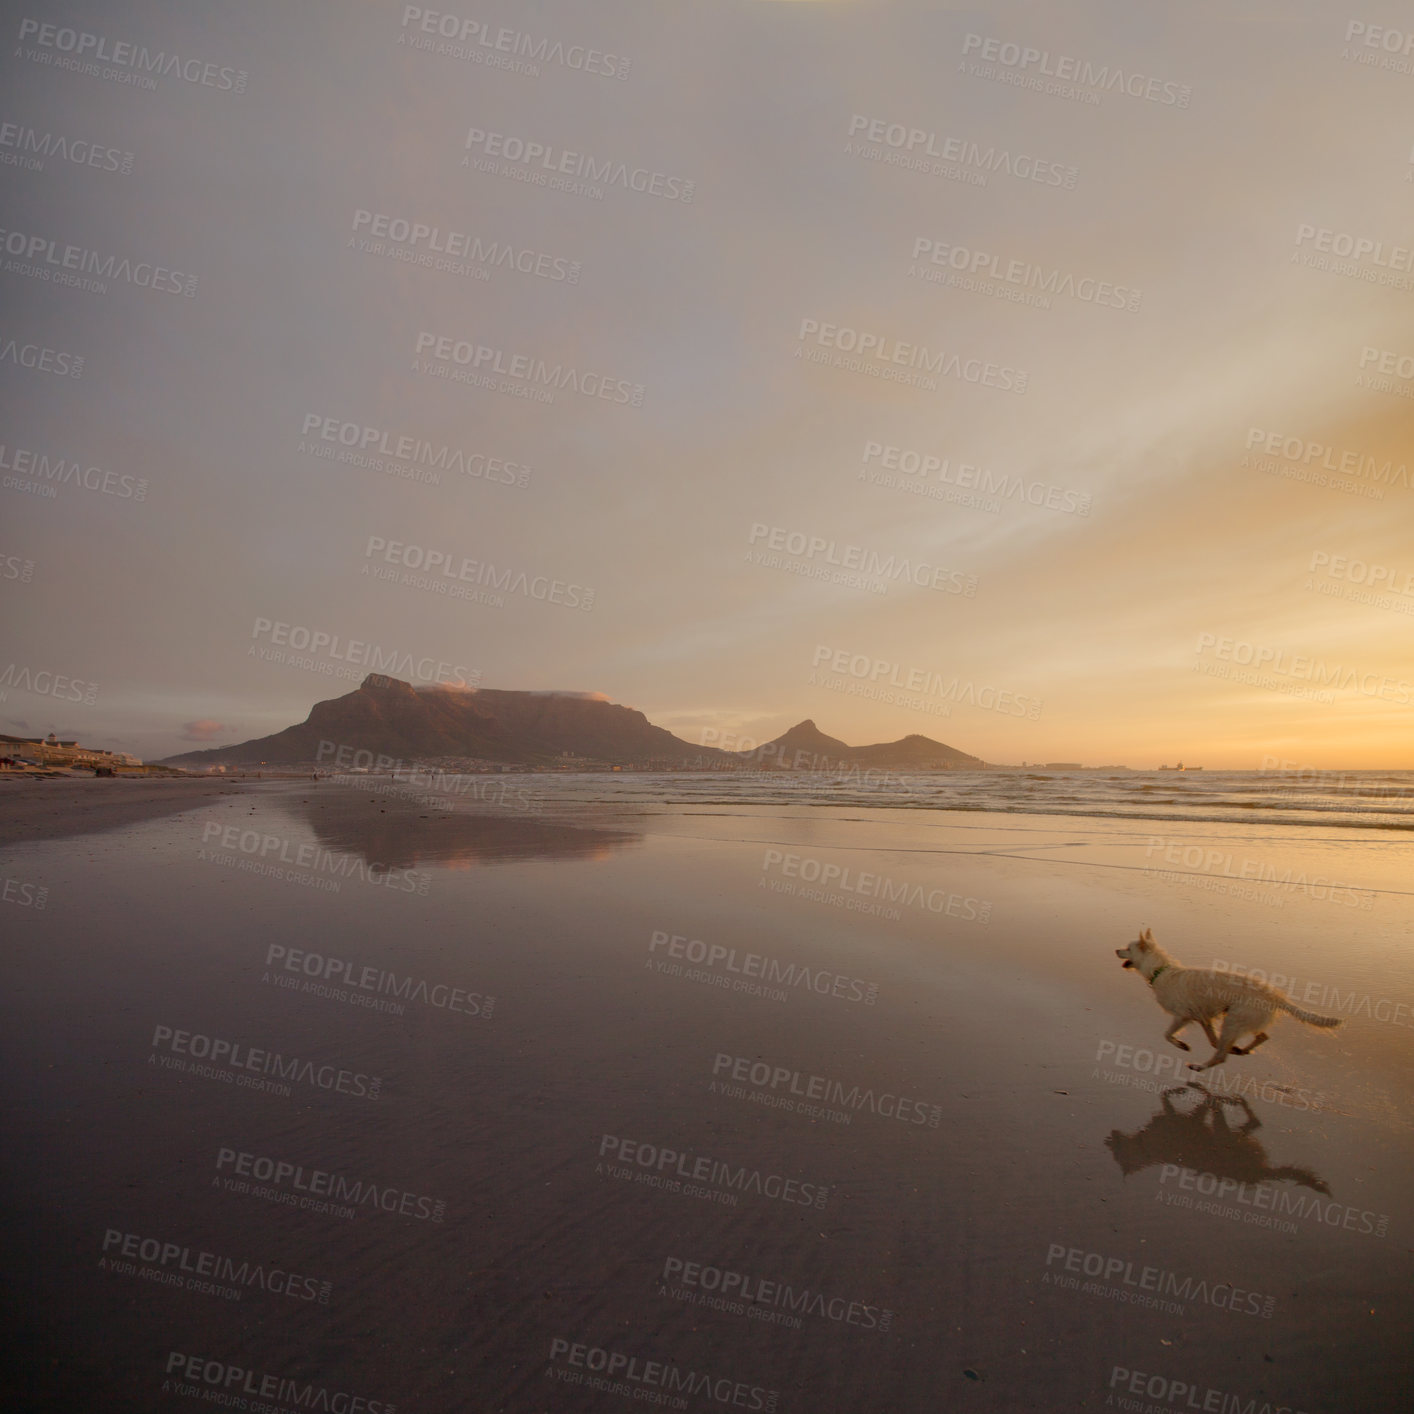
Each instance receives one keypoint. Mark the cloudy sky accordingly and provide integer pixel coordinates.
(1039, 380)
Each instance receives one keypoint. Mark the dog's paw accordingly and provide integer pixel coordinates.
(1239, 1050)
(1182, 1045)
(1192, 1066)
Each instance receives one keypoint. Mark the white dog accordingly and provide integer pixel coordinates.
(1199, 994)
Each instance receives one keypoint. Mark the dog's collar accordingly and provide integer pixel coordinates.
(1157, 972)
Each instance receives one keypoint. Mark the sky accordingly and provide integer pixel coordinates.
(1037, 379)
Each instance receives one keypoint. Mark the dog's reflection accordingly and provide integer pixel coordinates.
(1201, 1138)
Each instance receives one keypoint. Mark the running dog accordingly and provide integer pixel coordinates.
(1191, 994)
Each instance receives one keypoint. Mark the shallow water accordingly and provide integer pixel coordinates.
(1333, 799)
(547, 1011)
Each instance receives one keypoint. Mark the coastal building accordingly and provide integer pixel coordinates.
(51, 751)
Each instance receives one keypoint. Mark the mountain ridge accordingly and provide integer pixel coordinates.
(391, 722)
(805, 747)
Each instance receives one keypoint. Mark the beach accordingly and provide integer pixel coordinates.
(663, 595)
(33, 809)
(334, 1091)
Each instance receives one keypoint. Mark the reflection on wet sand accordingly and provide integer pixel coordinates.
(396, 835)
(1202, 1139)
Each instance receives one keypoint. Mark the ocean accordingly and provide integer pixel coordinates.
(1366, 800)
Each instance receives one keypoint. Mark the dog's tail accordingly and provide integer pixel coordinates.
(1311, 1018)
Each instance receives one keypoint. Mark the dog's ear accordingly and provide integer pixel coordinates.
(1148, 935)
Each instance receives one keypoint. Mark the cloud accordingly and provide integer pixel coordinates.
(205, 729)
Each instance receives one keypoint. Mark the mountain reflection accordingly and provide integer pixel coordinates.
(392, 831)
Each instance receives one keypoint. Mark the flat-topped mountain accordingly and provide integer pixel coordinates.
(392, 718)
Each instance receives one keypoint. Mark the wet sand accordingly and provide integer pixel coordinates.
(622, 1070)
(76, 805)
